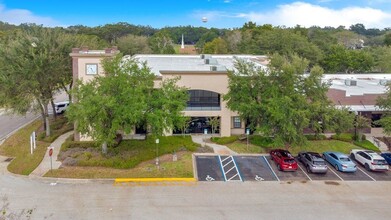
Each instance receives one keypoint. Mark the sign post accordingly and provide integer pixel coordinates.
(247, 133)
(157, 152)
(50, 154)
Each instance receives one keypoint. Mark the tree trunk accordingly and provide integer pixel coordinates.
(54, 109)
(47, 120)
(104, 148)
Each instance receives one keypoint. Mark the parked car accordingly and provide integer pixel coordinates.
(371, 160)
(340, 161)
(313, 162)
(284, 160)
(387, 157)
(60, 107)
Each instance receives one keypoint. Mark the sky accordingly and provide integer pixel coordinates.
(219, 13)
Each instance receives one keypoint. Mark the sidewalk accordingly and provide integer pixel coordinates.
(44, 166)
(218, 149)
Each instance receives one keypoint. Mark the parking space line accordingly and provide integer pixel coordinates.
(331, 169)
(304, 172)
(237, 169)
(278, 179)
(222, 169)
(366, 173)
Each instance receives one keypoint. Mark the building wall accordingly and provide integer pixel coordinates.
(210, 81)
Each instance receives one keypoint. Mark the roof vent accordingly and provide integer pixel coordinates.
(350, 82)
(210, 61)
(218, 68)
(383, 82)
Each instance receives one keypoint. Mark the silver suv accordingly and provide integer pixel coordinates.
(313, 162)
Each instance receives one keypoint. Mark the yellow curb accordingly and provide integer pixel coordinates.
(139, 180)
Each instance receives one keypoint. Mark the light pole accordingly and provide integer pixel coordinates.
(157, 152)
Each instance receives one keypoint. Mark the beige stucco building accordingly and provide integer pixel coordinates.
(204, 76)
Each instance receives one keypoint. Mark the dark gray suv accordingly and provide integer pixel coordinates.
(313, 162)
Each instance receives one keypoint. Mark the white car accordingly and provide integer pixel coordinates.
(370, 159)
(60, 107)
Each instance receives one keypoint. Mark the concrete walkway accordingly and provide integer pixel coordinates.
(218, 149)
(44, 166)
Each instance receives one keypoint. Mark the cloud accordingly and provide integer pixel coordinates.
(227, 1)
(18, 16)
(307, 15)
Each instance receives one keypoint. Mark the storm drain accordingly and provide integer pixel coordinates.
(229, 168)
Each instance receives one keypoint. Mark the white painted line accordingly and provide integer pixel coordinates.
(366, 173)
(233, 177)
(226, 158)
(304, 172)
(237, 170)
(278, 179)
(331, 169)
(226, 163)
(222, 169)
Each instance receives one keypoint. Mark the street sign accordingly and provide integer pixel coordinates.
(50, 151)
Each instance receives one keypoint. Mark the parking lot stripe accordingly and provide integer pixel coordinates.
(278, 179)
(304, 172)
(366, 173)
(222, 169)
(237, 169)
(331, 169)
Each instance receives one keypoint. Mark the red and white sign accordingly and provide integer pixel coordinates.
(50, 151)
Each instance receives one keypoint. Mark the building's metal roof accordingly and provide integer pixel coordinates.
(194, 63)
(366, 83)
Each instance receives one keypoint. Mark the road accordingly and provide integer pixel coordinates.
(216, 200)
(9, 123)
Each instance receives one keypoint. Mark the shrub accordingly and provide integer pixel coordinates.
(346, 137)
(261, 141)
(312, 137)
(225, 140)
(367, 145)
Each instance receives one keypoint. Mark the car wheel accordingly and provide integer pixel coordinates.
(367, 167)
(336, 167)
(308, 169)
(352, 156)
(279, 167)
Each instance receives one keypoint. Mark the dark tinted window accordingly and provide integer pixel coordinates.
(344, 159)
(286, 154)
(290, 161)
(333, 156)
(202, 98)
(379, 162)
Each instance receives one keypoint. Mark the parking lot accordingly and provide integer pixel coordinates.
(262, 168)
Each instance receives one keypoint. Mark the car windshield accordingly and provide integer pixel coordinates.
(319, 163)
(290, 161)
(344, 159)
(286, 154)
(379, 162)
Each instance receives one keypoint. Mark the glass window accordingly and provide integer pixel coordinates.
(237, 122)
(203, 100)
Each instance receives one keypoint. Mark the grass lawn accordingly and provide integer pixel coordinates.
(18, 146)
(241, 147)
(128, 154)
(183, 167)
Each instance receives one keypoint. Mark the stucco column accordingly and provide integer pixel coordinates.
(225, 126)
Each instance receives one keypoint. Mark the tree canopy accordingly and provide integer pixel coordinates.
(124, 98)
(283, 100)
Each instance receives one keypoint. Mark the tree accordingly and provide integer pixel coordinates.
(361, 123)
(124, 98)
(384, 103)
(342, 120)
(161, 43)
(214, 122)
(132, 44)
(275, 100)
(183, 123)
(387, 39)
(217, 46)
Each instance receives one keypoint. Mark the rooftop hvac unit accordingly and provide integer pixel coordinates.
(383, 82)
(213, 68)
(210, 61)
(202, 56)
(350, 82)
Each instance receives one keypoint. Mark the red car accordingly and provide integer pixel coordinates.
(284, 160)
